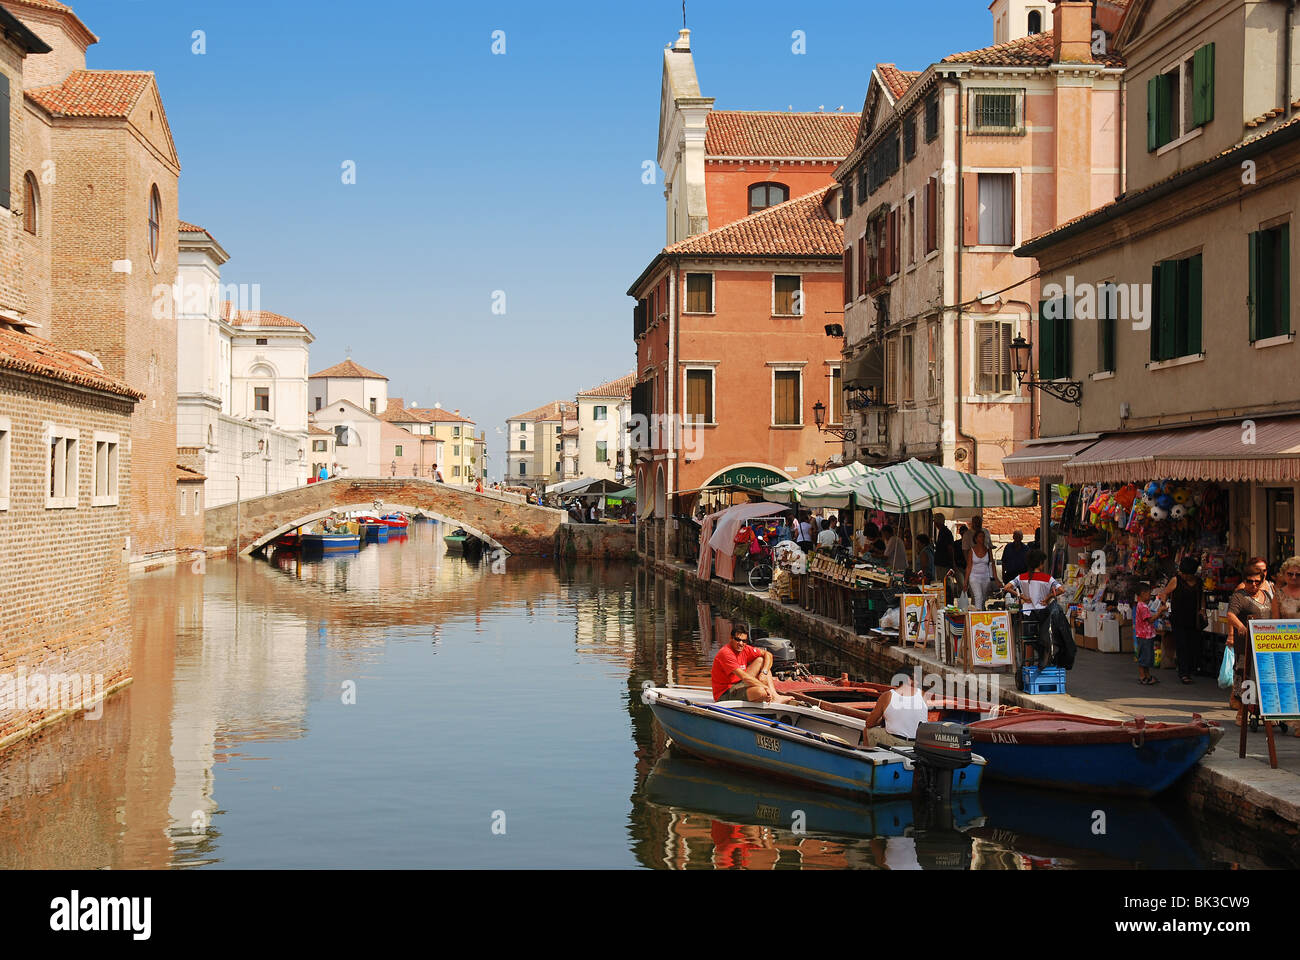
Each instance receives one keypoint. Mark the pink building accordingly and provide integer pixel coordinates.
(954, 166)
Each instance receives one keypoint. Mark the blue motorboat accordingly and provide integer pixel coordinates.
(793, 742)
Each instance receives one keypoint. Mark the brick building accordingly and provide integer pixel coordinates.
(94, 170)
(65, 485)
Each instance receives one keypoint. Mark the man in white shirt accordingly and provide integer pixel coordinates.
(828, 537)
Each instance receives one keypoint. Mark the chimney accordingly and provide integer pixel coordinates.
(1072, 23)
(683, 43)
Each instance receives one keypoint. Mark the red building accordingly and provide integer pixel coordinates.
(737, 322)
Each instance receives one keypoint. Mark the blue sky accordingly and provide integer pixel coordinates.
(475, 172)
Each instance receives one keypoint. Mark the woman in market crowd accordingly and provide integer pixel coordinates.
(805, 539)
(1183, 591)
(1286, 601)
(1253, 600)
(981, 575)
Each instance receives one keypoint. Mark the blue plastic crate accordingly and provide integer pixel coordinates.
(1043, 680)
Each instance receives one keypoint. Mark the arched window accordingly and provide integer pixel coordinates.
(1035, 22)
(764, 195)
(155, 220)
(31, 199)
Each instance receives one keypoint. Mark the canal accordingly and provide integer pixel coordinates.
(398, 707)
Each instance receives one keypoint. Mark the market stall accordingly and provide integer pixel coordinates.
(718, 537)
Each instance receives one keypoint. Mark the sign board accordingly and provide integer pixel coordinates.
(755, 478)
(988, 639)
(916, 626)
(1277, 667)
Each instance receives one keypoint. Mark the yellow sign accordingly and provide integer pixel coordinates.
(988, 638)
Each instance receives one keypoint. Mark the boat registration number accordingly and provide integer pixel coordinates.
(767, 813)
(768, 743)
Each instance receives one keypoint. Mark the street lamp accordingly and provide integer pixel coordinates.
(1069, 391)
(819, 417)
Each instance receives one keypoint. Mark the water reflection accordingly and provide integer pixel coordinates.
(380, 709)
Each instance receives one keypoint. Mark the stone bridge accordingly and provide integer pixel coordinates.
(499, 520)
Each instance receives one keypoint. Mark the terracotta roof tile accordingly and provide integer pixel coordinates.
(55, 6)
(744, 133)
(348, 369)
(798, 227)
(897, 80)
(421, 415)
(1031, 51)
(188, 473)
(93, 93)
(30, 354)
(622, 387)
(555, 410)
(258, 318)
(315, 431)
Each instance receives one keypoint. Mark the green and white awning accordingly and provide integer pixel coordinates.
(830, 488)
(915, 486)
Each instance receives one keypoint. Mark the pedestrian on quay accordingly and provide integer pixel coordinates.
(981, 574)
(828, 537)
(1183, 591)
(805, 534)
(925, 557)
(1013, 557)
(1253, 600)
(942, 539)
(1144, 634)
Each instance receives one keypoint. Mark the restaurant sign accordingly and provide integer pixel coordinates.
(756, 478)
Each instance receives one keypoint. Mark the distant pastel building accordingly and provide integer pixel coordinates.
(602, 438)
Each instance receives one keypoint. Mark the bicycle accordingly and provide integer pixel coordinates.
(760, 567)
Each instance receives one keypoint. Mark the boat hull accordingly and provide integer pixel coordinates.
(454, 544)
(773, 749)
(330, 542)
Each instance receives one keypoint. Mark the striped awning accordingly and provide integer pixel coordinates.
(828, 483)
(1045, 458)
(915, 486)
(1258, 450)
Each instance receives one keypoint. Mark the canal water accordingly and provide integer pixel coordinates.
(399, 707)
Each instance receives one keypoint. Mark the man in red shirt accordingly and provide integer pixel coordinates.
(741, 672)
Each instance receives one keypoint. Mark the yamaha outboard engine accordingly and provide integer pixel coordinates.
(940, 749)
(784, 663)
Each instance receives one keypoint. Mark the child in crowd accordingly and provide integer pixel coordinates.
(1144, 634)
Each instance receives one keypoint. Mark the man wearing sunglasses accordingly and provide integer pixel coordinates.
(742, 672)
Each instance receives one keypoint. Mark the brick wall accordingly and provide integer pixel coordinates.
(65, 604)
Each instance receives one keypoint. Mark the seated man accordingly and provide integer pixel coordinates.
(741, 672)
(897, 714)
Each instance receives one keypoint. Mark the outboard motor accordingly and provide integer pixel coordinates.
(785, 666)
(940, 749)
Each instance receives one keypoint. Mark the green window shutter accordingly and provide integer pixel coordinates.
(1106, 313)
(1194, 305)
(1046, 343)
(1064, 339)
(1252, 299)
(1155, 312)
(1153, 114)
(1203, 85)
(1168, 309)
(1283, 281)
(4, 142)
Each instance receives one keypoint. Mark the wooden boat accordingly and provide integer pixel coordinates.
(1058, 751)
(373, 530)
(332, 537)
(287, 541)
(806, 745)
(397, 521)
(456, 540)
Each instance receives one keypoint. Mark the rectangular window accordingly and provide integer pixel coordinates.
(1176, 308)
(906, 372)
(5, 434)
(602, 455)
(997, 196)
(61, 490)
(932, 360)
(848, 275)
(787, 296)
(318, 402)
(105, 476)
(699, 293)
(891, 371)
(997, 112)
(523, 469)
(1054, 338)
(1180, 99)
(455, 471)
(786, 405)
(1270, 283)
(374, 405)
(559, 447)
(523, 444)
(909, 137)
(262, 398)
(1107, 310)
(910, 230)
(262, 341)
(455, 432)
(993, 357)
(846, 199)
(932, 215)
(320, 446)
(397, 450)
(836, 406)
(599, 413)
(699, 396)
(931, 117)
(455, 450)
(183, 498)
(883, 162)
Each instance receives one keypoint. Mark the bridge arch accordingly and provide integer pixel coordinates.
(497, 519)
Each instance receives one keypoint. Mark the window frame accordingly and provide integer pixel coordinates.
(767, 185)
(261, 393)
(1017, 126)
(686, 285)
(155, 223)
(796, 297)
(602, 451)
(6, 458)
(31, 205)
(71, 464)
(1002, 381)
(907, 367)
(712, 370)
(835, 406)
(112, 469)
(932, 117)
(600, 412)
(797, 370)
(1107, 324)
(1013, 218)
(1186, 321)
(1275, 258)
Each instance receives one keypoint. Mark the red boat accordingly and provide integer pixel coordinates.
(395, 520)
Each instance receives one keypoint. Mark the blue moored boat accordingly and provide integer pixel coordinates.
(792, 742)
